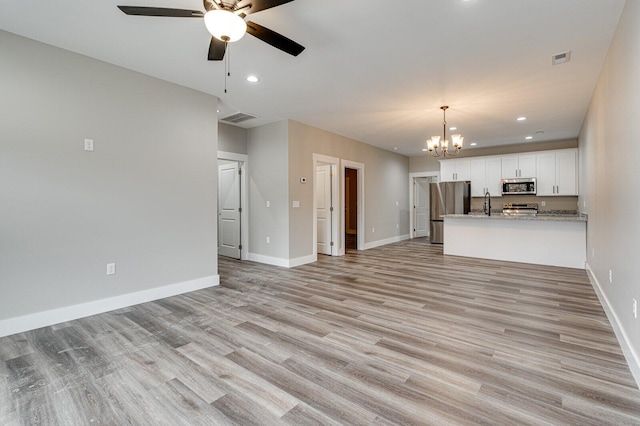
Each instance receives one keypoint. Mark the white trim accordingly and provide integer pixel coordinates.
(360, 213)
(391, 240)
(625, 343)
(243, 159)
(412, 214)
(284, 263)
(69, 313)
(269, 260)
(335, 200)
(302, 260)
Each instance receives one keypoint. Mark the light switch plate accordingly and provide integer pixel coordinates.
(111, 268)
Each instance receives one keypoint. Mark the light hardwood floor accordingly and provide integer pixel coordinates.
(394, 335)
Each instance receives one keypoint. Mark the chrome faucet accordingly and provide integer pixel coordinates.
(487, 203)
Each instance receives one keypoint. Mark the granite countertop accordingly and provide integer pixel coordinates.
(544, 216)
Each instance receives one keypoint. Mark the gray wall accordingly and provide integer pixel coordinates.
(609, 155)
(386, 181)
(232, 139)
(145, 198)
(267, 148)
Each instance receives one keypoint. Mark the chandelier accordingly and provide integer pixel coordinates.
(437, 148)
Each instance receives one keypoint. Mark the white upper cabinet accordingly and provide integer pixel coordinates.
(519, 166)
(557, 172)
(455, 170)
(485, 175)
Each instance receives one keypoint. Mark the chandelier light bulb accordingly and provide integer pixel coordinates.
(225, 25)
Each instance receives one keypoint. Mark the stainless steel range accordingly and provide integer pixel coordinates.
(520, 209)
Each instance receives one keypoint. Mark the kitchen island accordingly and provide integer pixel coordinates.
(555, 240)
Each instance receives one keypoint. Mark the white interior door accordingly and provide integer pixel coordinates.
(323, 208)
(229, 210)
(421, 207)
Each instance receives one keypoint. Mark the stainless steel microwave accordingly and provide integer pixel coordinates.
(520, 186)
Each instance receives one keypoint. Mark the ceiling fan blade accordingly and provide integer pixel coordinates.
(273, 38)
(258, 5)
(217, 49)
(161, 11)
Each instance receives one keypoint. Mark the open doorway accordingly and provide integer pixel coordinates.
(352, 184)
(350, 209)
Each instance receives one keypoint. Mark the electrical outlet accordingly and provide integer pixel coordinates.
(397, 226)
(111, 268)
(373, 229)
(635, 308)
(268, 240)
(610, 276)
(88, 144)
(268, 204)
(397, 203)
(543, 203)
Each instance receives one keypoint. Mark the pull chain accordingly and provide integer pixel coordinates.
(226, 65)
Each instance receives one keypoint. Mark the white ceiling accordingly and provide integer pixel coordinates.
(373, 70)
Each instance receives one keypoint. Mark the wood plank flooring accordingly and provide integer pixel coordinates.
(394, 335)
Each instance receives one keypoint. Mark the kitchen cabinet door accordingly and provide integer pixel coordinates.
(454, 170)
(485, 175)
(546, 172)
(509, 166)
(566, 180)
(463, 170)
(478, 177)
(447, 171)
(557, 173)
(518, 166)
(527, 165)
(493, 176)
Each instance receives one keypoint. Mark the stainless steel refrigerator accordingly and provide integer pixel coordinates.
(447, 198)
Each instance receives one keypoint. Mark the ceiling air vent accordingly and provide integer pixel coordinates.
(561, 58)
(238, 117)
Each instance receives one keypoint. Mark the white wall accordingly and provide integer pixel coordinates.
(144, 199)
(232, 139)
(609, 157)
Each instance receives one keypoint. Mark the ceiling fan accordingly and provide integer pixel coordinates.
(225, 21)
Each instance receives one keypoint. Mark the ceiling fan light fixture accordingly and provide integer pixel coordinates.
(225, 25)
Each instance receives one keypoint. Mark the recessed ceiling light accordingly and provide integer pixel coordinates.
(395, 148)
(253, 79)
(425, 149)
(474, 143)
(522, 118)
(453, 128)
(529, 138)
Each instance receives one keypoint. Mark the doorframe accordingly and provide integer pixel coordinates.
(335, 193)
(360, 211)
(243, 161)
(412, 178)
